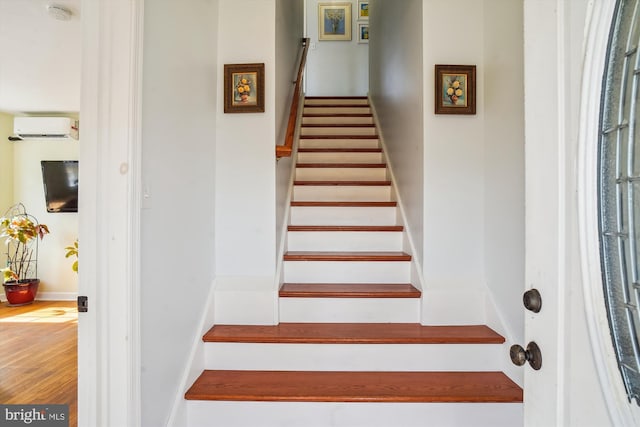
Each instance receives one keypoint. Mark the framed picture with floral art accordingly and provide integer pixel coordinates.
(455, 89)
(334, 21)
(244, 88)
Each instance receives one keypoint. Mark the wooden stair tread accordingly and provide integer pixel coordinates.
(346, 256)
(343, 183)
(328, 115)
(337, 105)
(340, 150)
(364, 228)
(336, 137)
(338, 125)
(348, 290)
(353, 333)
(332, 386)
(342, 165)
(344, 204)
(336, 97)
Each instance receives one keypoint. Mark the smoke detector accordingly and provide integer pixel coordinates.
(58, 12)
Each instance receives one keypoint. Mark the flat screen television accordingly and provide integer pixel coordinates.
(60, 179)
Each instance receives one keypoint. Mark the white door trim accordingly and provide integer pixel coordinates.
(109, 206)
(620, 411)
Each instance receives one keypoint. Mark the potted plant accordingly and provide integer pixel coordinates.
(72, 251)
(21, 232)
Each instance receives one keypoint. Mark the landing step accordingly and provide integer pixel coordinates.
(335, 97)
(336, 105)
(334, 386)
(345, 228)
(340, 204)
(346, 256)
(353, 333)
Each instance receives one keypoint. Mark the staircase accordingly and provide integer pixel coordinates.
(350, 349)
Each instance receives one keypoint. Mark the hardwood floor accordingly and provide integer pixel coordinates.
(38, 355)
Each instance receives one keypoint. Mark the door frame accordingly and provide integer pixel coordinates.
(109, 222)
(620, 410)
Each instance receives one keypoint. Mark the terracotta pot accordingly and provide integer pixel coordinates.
(22, 292)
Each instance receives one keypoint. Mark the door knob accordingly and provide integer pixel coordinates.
(532, 300)
(533, 355)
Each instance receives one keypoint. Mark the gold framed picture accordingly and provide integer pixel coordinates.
(334, 21)
(455, 89)
(244, 88)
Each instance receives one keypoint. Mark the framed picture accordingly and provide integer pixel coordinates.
(363, 10)
(363, 32)
(334, 21)
(455, 91)
(244, 88)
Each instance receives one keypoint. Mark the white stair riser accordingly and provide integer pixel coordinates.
(343, 193)
(337, 120)
(311, 215)
(347, 272)
(339, 143)
(355, 357)
(350, 414)
(336, 101)
(338, 130)
(340, 157)
(337, 110)
(350, 310)
(344, 241)
(341, 174)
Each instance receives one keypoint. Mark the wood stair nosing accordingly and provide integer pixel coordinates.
(331, 115)
(362, 228)
(338, 125)
(341, 165)
(348, 290)
(346, 256)
(341, 204)
(337, 97)
(344, 183)
(353, 333)
(336, 105)
(340, 150)
(339, 137)
(336, 386)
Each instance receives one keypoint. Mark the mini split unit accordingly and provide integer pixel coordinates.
(44, 128)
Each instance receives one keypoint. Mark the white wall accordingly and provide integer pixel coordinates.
(6, 169)
(245, 172)
(335, 67)
(396, 91)
(57, 280)
(503, 89)
(289, 32)
(180, 93)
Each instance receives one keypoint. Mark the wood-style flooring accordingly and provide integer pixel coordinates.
(38, 355)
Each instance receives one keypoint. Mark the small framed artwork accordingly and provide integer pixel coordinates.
(244, 88)
(334, 21)
(363, 32)
(363, 10)
(455, 90)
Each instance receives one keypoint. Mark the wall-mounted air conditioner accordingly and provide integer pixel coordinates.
(45, 128)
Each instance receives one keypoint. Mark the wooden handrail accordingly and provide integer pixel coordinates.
(285, 149)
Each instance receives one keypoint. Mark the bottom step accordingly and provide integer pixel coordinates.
(310, 386)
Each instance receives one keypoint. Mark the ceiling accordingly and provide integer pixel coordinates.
(39, 57)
